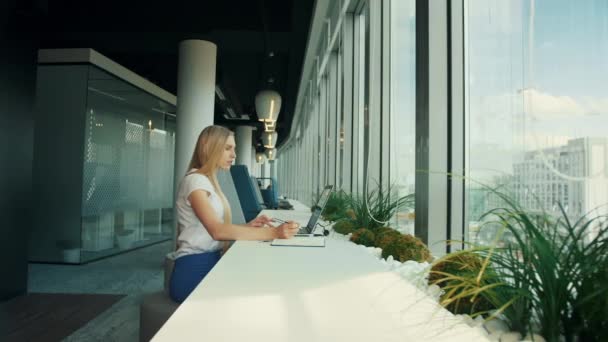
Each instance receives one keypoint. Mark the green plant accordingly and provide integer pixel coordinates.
(550, 276)
(458, 275)
(336, 206)
(377, 207)
(363, 237)
(591, 310)
(344, 227)
(407, 247)
(384, 236)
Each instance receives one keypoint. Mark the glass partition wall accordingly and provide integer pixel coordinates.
(121, 196)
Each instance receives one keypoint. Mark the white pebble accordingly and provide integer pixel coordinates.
(511, 336)
(537, 338)
(496, 325)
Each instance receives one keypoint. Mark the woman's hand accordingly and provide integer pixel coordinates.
(287, 230)
(260, 221)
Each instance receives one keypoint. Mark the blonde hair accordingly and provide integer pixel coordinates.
(206, 158)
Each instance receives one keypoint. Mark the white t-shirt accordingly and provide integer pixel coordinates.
(192, 236)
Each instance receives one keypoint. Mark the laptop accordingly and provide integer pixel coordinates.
(317, 209)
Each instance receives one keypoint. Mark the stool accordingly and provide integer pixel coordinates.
(154, 311)
(157, 307)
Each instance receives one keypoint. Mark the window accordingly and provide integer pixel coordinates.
(403, 103)
(537, 105)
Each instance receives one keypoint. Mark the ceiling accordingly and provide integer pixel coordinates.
(261, 43)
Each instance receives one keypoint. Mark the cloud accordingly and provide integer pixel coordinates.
(546, 106)
(595, 106)
(541, 106)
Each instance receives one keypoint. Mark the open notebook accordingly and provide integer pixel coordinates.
(300, 241)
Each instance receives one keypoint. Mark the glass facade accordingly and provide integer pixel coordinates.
(507, 96)
(536, 115)
(403, 104)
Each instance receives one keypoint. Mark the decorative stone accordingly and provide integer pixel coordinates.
(512, 336)
(533, 338)
(496, 325)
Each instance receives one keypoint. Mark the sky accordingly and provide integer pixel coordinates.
(538, 76)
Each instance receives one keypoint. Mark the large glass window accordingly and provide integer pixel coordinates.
(536, 106)
(403, 104)
(360, 95)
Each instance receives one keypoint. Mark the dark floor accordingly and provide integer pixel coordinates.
(131, 274)
(52, 317)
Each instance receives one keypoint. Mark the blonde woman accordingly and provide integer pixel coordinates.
(203, 214)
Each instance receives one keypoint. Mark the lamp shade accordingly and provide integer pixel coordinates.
(259, 157)
(271, 153)
(269, 126)
(268, 105)
(269, 139)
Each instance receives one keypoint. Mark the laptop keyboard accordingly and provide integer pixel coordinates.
(303, 230)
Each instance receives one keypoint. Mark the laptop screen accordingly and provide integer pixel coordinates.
(324, 197)
(318, 209)
(313, 220)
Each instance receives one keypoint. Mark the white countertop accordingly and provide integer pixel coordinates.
(338, 293)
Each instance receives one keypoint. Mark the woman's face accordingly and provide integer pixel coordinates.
(229, 154)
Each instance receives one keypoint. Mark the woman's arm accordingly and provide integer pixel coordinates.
(260, 221)
(199, 200)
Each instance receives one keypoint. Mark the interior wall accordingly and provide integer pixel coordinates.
(17, 88)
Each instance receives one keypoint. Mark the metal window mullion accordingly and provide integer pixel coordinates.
(293, 169)
(286, 172)
(457, 223)
(332, 118)
(347, 93)
(339, 120)
(374, 89)
(322, 135)
(385, 136)
(358, 94)
(431, 124)
(308, 171)
(467, 135)
(316, 143)
(327, 130)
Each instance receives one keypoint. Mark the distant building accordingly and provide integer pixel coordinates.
(575, 175)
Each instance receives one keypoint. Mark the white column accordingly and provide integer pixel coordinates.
(243, 138)
(266, 170)
(273, 169)
(195, 98)
(254, 163)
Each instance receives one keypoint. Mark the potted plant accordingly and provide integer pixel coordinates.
(550, 277)
(336, 206)
(70, 250)
(363, 236)
(460, 275)
(407, 247)
(376, 208)
(125, 238)
(344, 226)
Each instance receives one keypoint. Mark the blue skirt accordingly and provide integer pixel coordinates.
(188, 272)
